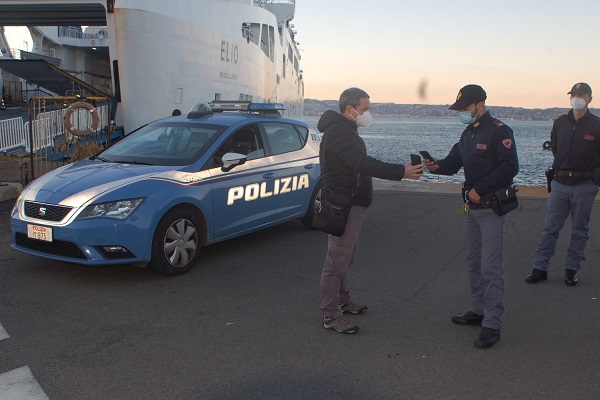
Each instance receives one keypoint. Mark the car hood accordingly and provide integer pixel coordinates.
(76, 184)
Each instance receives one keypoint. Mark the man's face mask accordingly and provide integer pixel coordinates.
(466, 118)
(578, 103)
(363, 120)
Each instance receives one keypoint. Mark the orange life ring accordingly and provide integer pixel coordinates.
(69, 125)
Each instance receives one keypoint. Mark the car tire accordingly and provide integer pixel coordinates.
(313, 205)
(176, 243)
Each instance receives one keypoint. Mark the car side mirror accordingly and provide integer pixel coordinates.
(231, 160)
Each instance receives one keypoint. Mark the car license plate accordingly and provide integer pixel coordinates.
(39, 232)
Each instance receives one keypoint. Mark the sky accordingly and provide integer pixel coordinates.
(524, 53)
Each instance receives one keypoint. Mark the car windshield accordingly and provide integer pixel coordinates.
(163, 143)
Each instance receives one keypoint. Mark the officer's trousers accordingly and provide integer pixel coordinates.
(484, 237)
(577, 200)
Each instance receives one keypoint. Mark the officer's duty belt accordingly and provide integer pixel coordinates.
(575, 174)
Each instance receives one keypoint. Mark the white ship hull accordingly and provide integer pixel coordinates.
(172, 55)
(175, 54)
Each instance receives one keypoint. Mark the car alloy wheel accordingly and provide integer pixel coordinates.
(176, 245)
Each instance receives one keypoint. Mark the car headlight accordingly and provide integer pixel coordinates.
(120, 209)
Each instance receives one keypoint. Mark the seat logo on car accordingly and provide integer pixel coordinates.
(261, 190)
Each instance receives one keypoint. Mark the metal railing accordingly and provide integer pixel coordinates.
(12, 135)
(44, 143)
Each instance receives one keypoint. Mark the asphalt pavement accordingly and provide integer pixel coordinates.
(244, 323)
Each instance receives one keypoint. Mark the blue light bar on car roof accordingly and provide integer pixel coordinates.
(266, 106)
(244, 106)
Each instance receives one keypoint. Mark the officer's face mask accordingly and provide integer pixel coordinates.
(363, 120)
(578, 103)
(466, 118)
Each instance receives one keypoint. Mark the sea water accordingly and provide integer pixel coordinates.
(394, 139)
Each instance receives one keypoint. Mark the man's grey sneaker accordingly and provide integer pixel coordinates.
(352, 308)
(340, 324)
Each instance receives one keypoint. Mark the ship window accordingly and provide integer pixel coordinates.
(290, 53)
(264, 39)
(246, 31)
(296, 64)
(284, 66)
(272, 43)
(251, 32)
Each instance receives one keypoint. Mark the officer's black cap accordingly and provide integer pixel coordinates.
(581, 88)
(470, 94)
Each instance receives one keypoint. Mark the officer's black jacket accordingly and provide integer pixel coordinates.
(488, 153)
(575, 145)
(345, 166)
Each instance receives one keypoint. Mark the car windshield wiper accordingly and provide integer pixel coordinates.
(99, 158)
(132, 162)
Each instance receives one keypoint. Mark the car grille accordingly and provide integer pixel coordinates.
(56, 247)
(46, 212)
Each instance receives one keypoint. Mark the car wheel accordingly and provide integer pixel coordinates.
(176, 243)
(315, 203)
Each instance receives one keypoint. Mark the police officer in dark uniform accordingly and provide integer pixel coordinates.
(487, 153)
(575, 143)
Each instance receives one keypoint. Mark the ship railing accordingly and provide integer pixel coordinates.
(12, 135)
(96, 32)
(44, 144)
(264, 2)
(16, 53)
(70, 31)
(75, 32)
(53, 146)
(26, 55)
(48, 127)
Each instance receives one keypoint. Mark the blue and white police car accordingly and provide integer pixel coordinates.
(177, 184)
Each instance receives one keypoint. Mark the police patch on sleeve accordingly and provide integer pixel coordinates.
(507, 143)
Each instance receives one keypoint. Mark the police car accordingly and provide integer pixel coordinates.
(177, 184)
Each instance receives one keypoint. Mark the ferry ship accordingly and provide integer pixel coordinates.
(153, 57)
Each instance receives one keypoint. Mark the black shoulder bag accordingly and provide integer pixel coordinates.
(332, 215)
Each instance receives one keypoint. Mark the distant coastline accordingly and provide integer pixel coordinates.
(314, 107)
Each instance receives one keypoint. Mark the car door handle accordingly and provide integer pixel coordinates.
(269, 175)
(309, 166)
